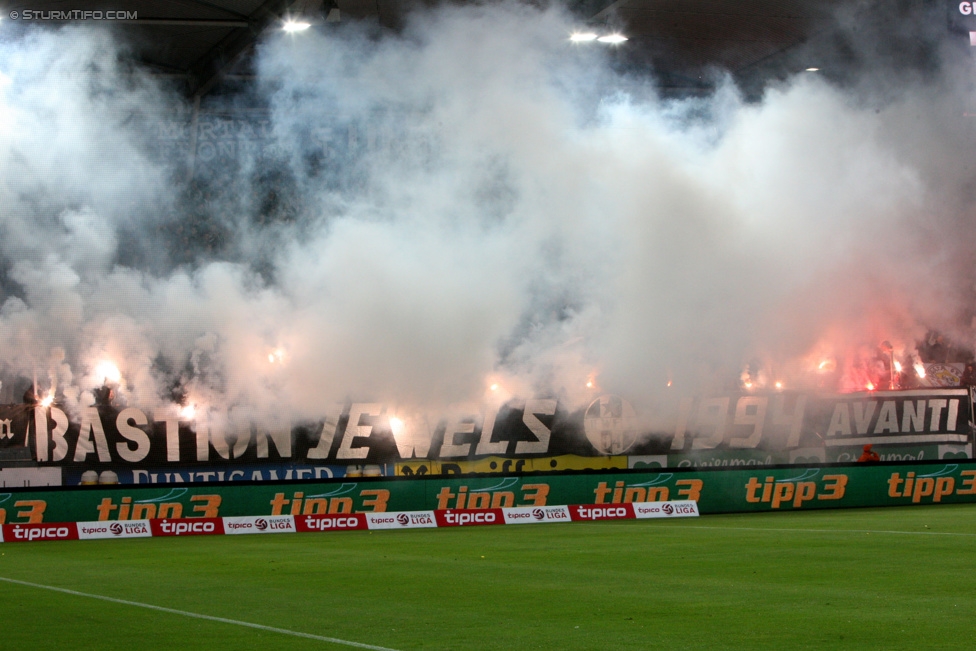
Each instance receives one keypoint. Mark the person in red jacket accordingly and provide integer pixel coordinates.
(868, 455)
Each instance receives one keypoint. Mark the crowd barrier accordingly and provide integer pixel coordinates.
(712, 490)
(261, 524)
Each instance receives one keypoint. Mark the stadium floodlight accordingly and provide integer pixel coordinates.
(583, 37)
(612, 39)
(812, 69)
(292, 26)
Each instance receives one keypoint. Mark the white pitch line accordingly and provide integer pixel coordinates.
(222, 620)
(904, 533)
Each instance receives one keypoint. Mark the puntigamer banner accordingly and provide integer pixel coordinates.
(144, 446)
(715, 491)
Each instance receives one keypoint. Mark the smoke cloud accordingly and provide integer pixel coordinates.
(474, 202)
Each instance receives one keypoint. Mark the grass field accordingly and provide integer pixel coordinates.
(895, 578)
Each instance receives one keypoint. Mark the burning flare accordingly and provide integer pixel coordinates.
(108, 372)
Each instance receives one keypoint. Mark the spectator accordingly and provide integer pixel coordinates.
(868, 455)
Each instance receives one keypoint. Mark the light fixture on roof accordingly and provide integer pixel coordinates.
(291, 26)
(583, 37)
(812, 69)
(612, 39)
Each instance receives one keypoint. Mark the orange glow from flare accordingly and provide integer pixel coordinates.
(897, 366)
(494, 387)
(869, 386)
(108, 372)
(48, 401)
(396, 425)
(779, 385)
(827, 365)
(187, 412)
(920, 370)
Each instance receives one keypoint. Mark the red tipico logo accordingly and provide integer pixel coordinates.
(337, 522)
(468, 517)
(187, 526)
(40, 531)
(587, 512)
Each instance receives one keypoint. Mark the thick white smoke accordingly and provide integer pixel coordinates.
(523, 223)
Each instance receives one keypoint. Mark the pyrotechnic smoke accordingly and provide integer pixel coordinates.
(476, 201)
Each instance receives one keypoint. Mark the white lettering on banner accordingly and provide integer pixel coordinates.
(414, 437)
(674, 509)
(966, 8)
(329, 426)
(400, 520)
(582, 512)
(324, 524)
(115, 529)
(91, 425)
(530, 417)
(470, 518)
(133, 434)
(41, 533)
(535, 515)
(57, 435)
(449, 448)
(177, 528)
(354, 429)
(259, 524)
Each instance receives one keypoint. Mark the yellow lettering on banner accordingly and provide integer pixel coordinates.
(211, 506)
(658, 494)
(894, 483)
(105, 508)
(836, 489)
(380, 498)
(782, 493)
(943, 486)
(751, 488)
(969, 479)
(479, 501)
(635, 494)
(143, 511)
(693, 492)
(805, 490)
(576, 462)
(420, 468)
(502, 500)
(3, 516)
(537, 497)
(296, 502)
(340, 505)
(278, 503)
(923, 488)
(36, 511)
(315, 506)
(170, 510)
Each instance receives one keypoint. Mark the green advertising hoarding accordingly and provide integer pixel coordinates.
(716, 491)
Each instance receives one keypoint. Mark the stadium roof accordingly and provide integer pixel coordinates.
(202, 42)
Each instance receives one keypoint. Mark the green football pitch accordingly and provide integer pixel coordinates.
(895, 578)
